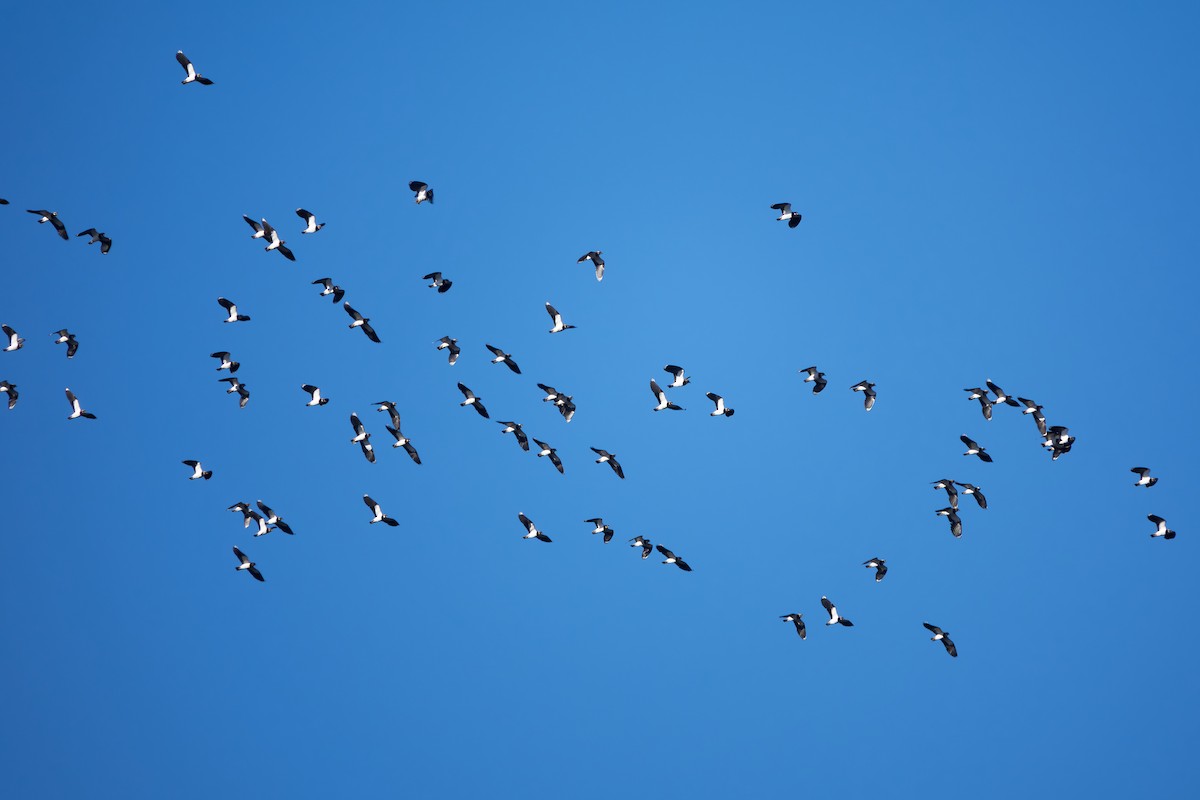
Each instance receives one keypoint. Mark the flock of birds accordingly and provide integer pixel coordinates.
(1055, 439)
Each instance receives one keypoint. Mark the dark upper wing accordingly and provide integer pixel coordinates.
(827, 604)
(240, 555)
(782, 206)
(356, 423)
(934, 629)
(371, 504)
(612, 462)
(496, 351)
(416, 186)
(969, 442)
(665, 551)
(950, 648)
(58, 226)
(225, 304)
(370, 332)
(256, 226)
(350, 310)
(257, 575)
(304, 215)
(551, 310)
(527, 522)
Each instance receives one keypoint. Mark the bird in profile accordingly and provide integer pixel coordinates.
(473, 401)
(10, 389)
(515, 429)
(985, 404)
(97, 236)
(796, 619)
(198, 471)
(973, 449)
(52, 218)
(231, 309)
(598, 262)
(438, 282)
(502, 357)
(15, 342)
(951, 492)
(1038, 417)
(329, 289)
(237, 386)
(1144, 478)
(671, 558)
(314, 394)
(274, 242)
(786, 213)
(974, 491)
(531, 530)
(274, 519)
(879, 565)
(1001, 397)
(226, 362)
(559, 325)
(678, 379)
(1160, 528)
(834, 617)
(940, 635)
(421, 191)
(661, 397)
(598, 526)
(359, 321)
(644, 543)
(377, 510)
(310, 221)
(192, 77)
(76, 410)
(719, 402)
(816, 378)
(66, 337)
(955, 521)
(244, 563)
(548, 451)
(610, 459)
(868, 390)
(446, 343)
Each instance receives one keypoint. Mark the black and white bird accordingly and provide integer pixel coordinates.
(1001, 397)
(261, 521)
(974, 491)
(868, 390)
(1038, 417)
(644, 543)
(274, 519)
(315, 395)
(515, 429)
(1160, 527)
(192, 77)
(559, 325)
(816, 378)
(245, 564)
(502, 357)
(598, 262)
(598, 526)
(361, 322)
(245, 509)
(552, 394)
(76, 410)
(671, 558)
(422, 191)
(97, 236)
(446, 343)
(15, 342)
(834, 617)
(258, 229)
(360, 431)
(796, 619)
(328, 288)
(390, 408)
(531, 530)
(548, 451)
(610, 459)
(940, 635)
(1144, 478)
(368, 449)
(661, 397)
(879, 565)
(786, 213)
(951, 492)
(377, 510)
(955, 522)
(438, 282)
(274, 242)
(973, 449)
(678, 379)
(226, 361)
(237, 386)
(52, 218)
(231, 309)
(66, 337)
(198, 471)
(310, 221)
(403, 441)
(985, 404)
(10, 389)
(1059, 441)
(719, 402)
(566, 407)
(473, 401)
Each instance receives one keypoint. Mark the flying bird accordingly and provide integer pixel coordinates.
(671, 558)
(1161, 527)
(951, 492)
(973, 490)
(231, 309)
(260, 521)
(310, 221)
(245, 509)
(315, 393)
(719, 402)
(226, 363)
(403, 441)
(378, 512)
(446, 343)
(361, 322)
(192, 77)
(610, 459)
(258, 229)
(661, 397)
(274, 519)
(422, 191)
(940, 635)
(441, 284)
(678, 379)
(594, 257)
(868, 390)
(198, 471)
(275, 243)
(644, 543)
(547, 450)
(1001, 397)
(1038, 417)
(10, 389)
(834, 617)
(515, 428)
(795, 619)
(76, 410)
(66, 337)
(1059, 441)
(559, 326)
(985, 404)
(472, 400)
(532, 531)
(566, 407)
(328, 288)
(955, 521)
(598, 526)
(97, 236)
(245, 563)
(879, 565)
(237, 386)
(15, 342)
(360, 430)
(52, 218)
(786, 213)
(973, 449)
(1144, 478)
(502, 357)
(816, 378)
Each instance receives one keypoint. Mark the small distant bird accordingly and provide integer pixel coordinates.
(198, 471)
(310, 221)
(226, 363)
(66, 337)
(515, 428)
(610, 459)
(985, 404)
(973, 449)
(955, 522)
(441, 284)
(880, 567)
(644, 543)
(1059, 441)
(974, 491)
(940, 635)
(245, 509)
(52, 218)
(547, 450)
(3, 202)
(661, 397)
(795, 619)
(245, 563)
(1036, 410)
(678, 379)
(594, 257)
(532, 531)
(566, 407)
(719, 402)
(328, 288)
(261, 522)
(559, 325)
(15, 342)
(10, 389)
(361, 322)
(834, 617)
(192, 76)
(422, 190)
(598, 526)
(1144, 478)
(258, 229)
(403, 441)
(552, 394)
(231, 309)
(502, 357)
(671, 558)
(1001, 397)
(275, 243)
(378, 512)
(315, 392)
(786, 213)
(951, 492)
(76, 410)
(97, 236)
(390, 408)
(446, 343)
(274, 519)
(868, 390)
(1161, 529)
(360, 430)
(816, 378)
(237, 386)
(472, 400)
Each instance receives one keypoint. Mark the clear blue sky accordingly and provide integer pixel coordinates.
(1005, 191)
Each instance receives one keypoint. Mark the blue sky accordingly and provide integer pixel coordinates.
(1004, 192)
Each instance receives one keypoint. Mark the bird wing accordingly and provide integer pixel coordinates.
(934, 629)
(370, 332)
(240, 555)
(828, 606)
(350, 310)
(257, 575)
(553, 312)
(308, 387)
(667, 553)
(71, 398)
(467, 393)
(371, 504)
(191, 463)
(184, 62)
(612, 462)
(307, 216)
(782, 206)
(226, 304)
(256, 226)
(417, 186)
(658, 392)
(674, 370)
(969, 442)
(412, 452)
(527, 522)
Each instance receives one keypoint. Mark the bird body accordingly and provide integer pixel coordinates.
(1144, 478)
(940, 635)
(606, 457)
(51, 217)
(422, 191)
(328, 288)
(10, 389)
(446, 343)
(231, 309)
(559, 325)
(834, 617)
(502, 357)
(973, 449)
(1160, 528)
(531, 530)
(816, 378)
(310, 221)
(15, 342)
(315, 395)
(868, 390)
(97, 236)
(473, 401)
(719, 402)
(192, 77)
(671, 558)
(76, 410)
(66, 337)
(786, 213)
(377, 510)
(246, 565)
(441, 284)
(551, 453)
(359, 321)
(598, 262)
(661, 397)
(796, 619)
(879, 565)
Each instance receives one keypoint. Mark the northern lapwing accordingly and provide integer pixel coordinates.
(438, 282)
(719, 402)
(796, 619)
(955, 522)
(678, 379)
(786, 213)
(974, 491)
(515, 429)
(559, 325)
(610, 459)
(598, 262)
(245, 564)
(274, 242)
(940, 635)
(198, 471)
(226, 361)
(1160, 527)
(314, 395)
(502, 357)
(644, 543)
(661, 397)
(868, 390)
(97, 236)
(421, 191)
(377, 510)
(446, 343)
(879, 566)
(531, 530)
(10, 389)
(1144, 478)
(834, 617)
(310, 221)
(671, 558)
(52, 218)
(473, 401)
(328, 288)
(273, 518)
(973, 449)
(77, 410)
(231, 309)
(598, 526)
(192, 77)
(15, 342)
(548, 451)
(361, 322)
(66, 337)
(816, 378)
